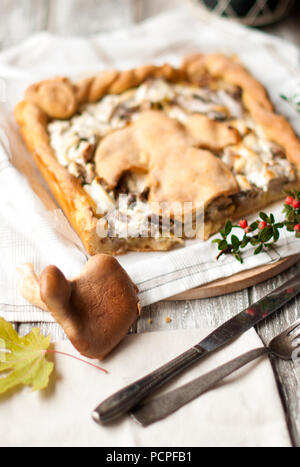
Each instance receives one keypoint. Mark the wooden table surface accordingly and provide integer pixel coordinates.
(21, 18)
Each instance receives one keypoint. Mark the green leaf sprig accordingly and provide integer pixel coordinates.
(263, 233)
(293, 101)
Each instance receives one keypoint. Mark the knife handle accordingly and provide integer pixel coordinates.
(122, 401)
(161, 407)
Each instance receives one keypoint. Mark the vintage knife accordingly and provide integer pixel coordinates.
(121, 402)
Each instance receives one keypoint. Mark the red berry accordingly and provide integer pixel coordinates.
(289, 200)
(251, 311)
(297, 228)
(248, 229)
(262, 225)
(296, 204)
(243, 223)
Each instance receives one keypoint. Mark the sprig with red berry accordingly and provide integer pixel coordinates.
(291, 211)
(263, 233)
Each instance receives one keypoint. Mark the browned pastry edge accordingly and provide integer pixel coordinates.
(59, 98)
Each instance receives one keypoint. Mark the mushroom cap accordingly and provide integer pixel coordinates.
(97, 308)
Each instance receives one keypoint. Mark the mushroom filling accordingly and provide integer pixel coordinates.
(258, 164)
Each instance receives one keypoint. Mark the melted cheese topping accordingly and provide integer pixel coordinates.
(105, 203)
(256, 161)
(132, 220)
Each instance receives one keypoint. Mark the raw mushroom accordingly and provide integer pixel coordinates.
(29, 286)
(95, 310)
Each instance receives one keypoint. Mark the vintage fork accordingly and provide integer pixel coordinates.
(285, 346)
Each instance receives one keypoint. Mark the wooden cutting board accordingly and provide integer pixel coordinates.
(239, 281)
(227, 285)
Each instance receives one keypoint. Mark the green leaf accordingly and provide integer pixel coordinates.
(266, 235)
(287, 209)
(254, 226)
(258, 249)
(228, 228)
(216, 240)
(272, 218)
(235, 242)
(22, 359)
(276, 235)
(245, 242)
(264, 216)
(290, 227)
(222, 245)
(238, 257)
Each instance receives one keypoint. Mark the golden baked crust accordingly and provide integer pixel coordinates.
(143, 146)
(59, 98)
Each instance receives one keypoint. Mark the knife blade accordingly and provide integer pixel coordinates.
(122, 401)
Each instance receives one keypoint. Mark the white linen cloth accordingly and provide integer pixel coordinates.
(28, 233)
(243, 411)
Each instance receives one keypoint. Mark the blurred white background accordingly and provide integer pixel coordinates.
(21, 18)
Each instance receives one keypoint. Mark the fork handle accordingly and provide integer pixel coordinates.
(163, 406)
(122, 401)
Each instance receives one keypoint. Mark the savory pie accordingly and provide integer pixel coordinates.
(126, 152)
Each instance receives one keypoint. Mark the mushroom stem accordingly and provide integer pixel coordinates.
(29, 286)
